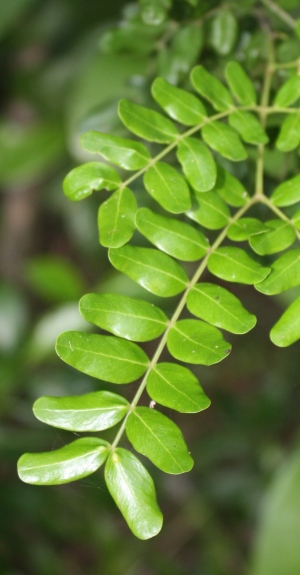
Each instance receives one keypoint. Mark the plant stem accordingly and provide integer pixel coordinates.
(284, 16)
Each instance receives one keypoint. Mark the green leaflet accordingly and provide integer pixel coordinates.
(175, 386)
(153, 270)
(296, 219)
(280, 236)
(179, 104)
(230, 188)
(82, 181)
(223, 32)
(240, 84)
(243, 228)
(124, 316)
(168, 187)
(219, 307)
(287, 329)
(197, 163)
(125, 153)
(116, 219)
(224, 140)
(288, 193)
(288, 93)
(212, 89)
(175, 62)
(89, 412)
(133, 491)
(73, 461)
(194, 341)
(285, 274)
(153, 12)
(234, 265)
(289, 135)
(210, 211)
(104, 357)
(176, 238)
(248, 127)
(158, 438)
(146, 123)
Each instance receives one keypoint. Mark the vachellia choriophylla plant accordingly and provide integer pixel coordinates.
(196, 226)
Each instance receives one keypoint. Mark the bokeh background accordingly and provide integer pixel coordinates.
(64, 64)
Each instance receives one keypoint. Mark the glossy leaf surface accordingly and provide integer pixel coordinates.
(133, 491)
(116, 218)
(230, 189)
(73, 461)
(104, 357)
(158, 438)
(197, 163)
(280, 236)
(234, 265)
(194, 341)
(176, 387)
(90, 412)
(82, 181)
(224, 140)
(176, 238)
(248, 127)
(289, 135)
(285, 274)
(288, 93)
(223, 32)
(179, 104)
(209, 210)
(125, 153)
(211, 88)
(124, 316)
(240, 84)
(153, 270)
(287, 329)
(220, 308)
(243, 228)
(168, 187)
(146, 123)
(287, 193)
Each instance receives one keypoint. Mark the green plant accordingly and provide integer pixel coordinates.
(197, 185)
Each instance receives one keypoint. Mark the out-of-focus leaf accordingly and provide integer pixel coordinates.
(223, 32)
(176, 238)
(220, 308)
(243, 228)
(13, 317)
(146, 123)
(155, 271)
(211, 88)
(280, 236)
(179, 104)
(289, 135)
(175, 386)
(153, 12)
(176, 60)
(133, 491)
(230, 188)
(296, 219)
(125, 153)
(168, 187)
(124, 316)
(10, 12)
(83, 180)
(197, 163)
(54, 278)
(240, 84)
(116, 218)
(104, 357)
(209, 210)
(74, 461)
(248, 126)
(158, 438)
(89, 412)
(234, 265)
(285, 274)
(287, 193)
(194, 341)
(287, 329)
(224, 139)
(288, 93)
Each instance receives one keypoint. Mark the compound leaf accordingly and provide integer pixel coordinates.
(176, 238)
(197, 163)
(146, 123)
(116, 218)
(176, 387)
(69, 463)
(285, 274)
(288, 93)
(179, 104)
(212, 89)
(104, 357)
(194, 341)
(240, 84)
(224, 140)
(234, 265)
(124, 316)
(83, 180)
(209, 210)
(133, 491)
(89, 412)
(153, 270)
(127, 154)
(287, 329)
(168, 187)
(160, 439)
(248, 127)
(220, 308)
(280, 236)
(288, 193)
